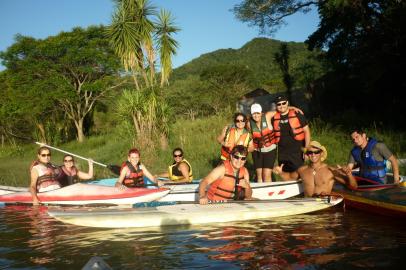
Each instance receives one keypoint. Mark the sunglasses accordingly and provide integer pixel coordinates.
(239, 121)
(238, 157)
(178, 155)
(45, 155)
(308, 153)
(281, 103)
(68, 160)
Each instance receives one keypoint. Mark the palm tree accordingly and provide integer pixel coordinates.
(131, 35)
(282, 59)
(167, 45)
(135, 38)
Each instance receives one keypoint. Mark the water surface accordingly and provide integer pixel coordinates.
(331, 239)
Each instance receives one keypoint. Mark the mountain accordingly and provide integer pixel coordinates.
(258, 57)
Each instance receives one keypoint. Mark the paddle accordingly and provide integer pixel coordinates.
(113, 168)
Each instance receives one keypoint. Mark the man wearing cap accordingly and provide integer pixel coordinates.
(318, 178)
(292, 133)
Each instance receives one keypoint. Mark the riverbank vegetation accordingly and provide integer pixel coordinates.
(197, 138)
(101, 90)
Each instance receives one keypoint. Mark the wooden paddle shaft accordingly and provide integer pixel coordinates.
(66, 152)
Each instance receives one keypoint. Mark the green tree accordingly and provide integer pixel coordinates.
(225, 84)
(69, 72)
(137, 40)
(282, 58)
(269, 15)
(132, 34)
(364, 42)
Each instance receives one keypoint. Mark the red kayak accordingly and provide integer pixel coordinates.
(382, 199)
(82, 194)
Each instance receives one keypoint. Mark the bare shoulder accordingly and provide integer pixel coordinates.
(303, 168)
(270, 114)
(215, 174)
(183, 165)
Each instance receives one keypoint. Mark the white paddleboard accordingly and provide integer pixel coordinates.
(189, 213)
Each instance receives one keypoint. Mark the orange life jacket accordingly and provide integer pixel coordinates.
(262, 136)
(231, 137)
(135, 178)
(46, 176)
(226, 188)
(294, 123)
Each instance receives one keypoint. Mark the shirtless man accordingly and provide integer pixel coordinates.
(318, 178)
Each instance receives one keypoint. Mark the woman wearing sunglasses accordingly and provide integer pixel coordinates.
(236, 134)
(180, 171)
(132, 172)
(70, 173)
(44, 174)
(228, 181)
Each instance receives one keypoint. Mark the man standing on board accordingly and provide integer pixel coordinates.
(292, 133)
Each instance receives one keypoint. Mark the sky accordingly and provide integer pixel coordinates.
(206, 25)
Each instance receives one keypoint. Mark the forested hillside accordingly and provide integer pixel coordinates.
(215, 80)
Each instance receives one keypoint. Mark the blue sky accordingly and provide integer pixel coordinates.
(206, 25)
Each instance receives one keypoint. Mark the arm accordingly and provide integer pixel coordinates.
(248, 125)
(184, 169)
(349, 167)
(245, 183)
(216, 173)
(344, 176)
(286, 176)
(251, 146)
(150, 176)
(120, 179)
(306, 130)
(268, 117)
(395, 169)
(33, 187)
(165, 174)
(221, 137)
(89, 174)
(296, 109)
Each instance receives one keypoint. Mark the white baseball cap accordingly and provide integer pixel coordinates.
(256, 108)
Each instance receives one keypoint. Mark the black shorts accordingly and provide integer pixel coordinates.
(264, 159)
(294, 163)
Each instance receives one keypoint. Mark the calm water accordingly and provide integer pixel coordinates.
(331, 239)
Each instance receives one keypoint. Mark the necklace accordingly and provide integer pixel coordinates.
(316, 169)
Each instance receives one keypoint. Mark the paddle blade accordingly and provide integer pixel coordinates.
(114, 169)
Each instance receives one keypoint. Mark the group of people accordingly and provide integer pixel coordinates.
(282, 135)
(133, 171)
(46, 176)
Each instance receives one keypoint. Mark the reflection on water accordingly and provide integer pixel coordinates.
(332, 239)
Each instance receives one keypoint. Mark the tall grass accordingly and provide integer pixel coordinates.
(197, 138)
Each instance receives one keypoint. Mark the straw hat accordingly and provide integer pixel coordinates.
(317, 145)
